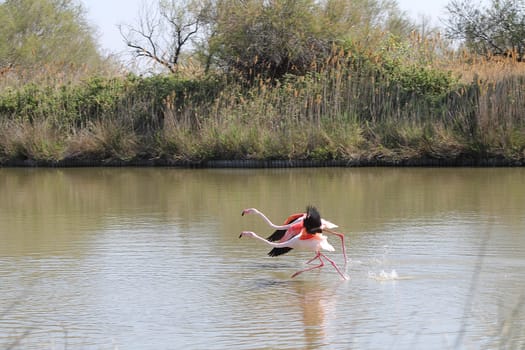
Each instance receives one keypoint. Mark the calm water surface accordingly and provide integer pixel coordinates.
(150, 259)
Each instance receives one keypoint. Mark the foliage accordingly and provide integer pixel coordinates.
(324, 80)
(271, 39)
(418, 76)
(76, 105)
(37, 32)
(257, 37)
(495, 30)
(66, 105)
(356, 107)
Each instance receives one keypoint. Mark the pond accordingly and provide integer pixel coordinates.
(150, 258)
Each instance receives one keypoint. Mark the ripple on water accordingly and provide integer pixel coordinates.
(138, 265)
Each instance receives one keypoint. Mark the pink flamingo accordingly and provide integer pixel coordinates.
(282, 234)
(300, 231)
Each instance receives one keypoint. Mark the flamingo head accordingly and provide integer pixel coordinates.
(312, 221)
(249, 234)
(249, 211)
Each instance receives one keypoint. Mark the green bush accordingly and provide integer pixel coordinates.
(141, 99)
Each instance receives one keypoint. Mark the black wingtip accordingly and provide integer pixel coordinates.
(279, 251)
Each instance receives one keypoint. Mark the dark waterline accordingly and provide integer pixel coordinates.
(263, 164)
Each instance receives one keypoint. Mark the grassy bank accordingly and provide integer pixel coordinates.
(373, 109)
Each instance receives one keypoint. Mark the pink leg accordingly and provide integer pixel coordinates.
(333, 264)
(340, 235)
(312, 259)
(318, 256)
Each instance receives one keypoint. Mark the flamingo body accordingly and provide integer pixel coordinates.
(285, 235)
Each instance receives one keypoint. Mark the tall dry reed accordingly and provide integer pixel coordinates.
(390, 105)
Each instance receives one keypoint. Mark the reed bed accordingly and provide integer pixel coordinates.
(355, 108)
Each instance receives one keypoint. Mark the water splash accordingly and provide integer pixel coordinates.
(384, 276)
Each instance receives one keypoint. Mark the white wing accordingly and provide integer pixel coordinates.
(327, 224)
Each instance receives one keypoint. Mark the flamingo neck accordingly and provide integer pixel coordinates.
(277, 227)
(273, 244)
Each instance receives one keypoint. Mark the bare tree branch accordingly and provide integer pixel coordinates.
(163, 32)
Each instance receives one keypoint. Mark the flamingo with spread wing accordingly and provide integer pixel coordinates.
(300, 231)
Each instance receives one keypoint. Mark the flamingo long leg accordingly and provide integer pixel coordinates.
(312, 259)
(342, 236)
(333, 264)
(318, 256)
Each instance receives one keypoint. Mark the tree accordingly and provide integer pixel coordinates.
(278, 37)
(498, 29)
(38, 32)
(163, 31)
(268, 38)
(365, 20)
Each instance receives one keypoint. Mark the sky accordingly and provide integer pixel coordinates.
(106, 15)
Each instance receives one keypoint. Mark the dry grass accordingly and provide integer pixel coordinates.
(37, 140)
(471, 68)
(403, 103)
(106, 139)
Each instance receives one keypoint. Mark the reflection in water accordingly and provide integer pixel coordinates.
(317, 304)
(148, 258)
(299, 311)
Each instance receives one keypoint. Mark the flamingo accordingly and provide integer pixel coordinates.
(301, 231)
(281, 234)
